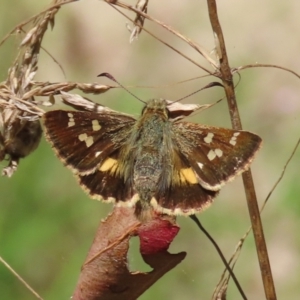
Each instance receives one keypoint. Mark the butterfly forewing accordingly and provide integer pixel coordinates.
(217, 155)
(83, 140)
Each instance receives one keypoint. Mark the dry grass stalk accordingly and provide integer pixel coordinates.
(141, 5)
(20, 131)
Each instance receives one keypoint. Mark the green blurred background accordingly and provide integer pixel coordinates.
(47, 222)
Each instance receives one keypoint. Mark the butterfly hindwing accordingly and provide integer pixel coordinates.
(107, 182)
(184, 196)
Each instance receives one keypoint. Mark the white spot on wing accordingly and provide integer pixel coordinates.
(219, 152)
(71, 120)
(87, 139)
(208, 138)
(96, 126)
(200, 165)
(211, 155)
(98, 153)
(82, 137)
(233, 138)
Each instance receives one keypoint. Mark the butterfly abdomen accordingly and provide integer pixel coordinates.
(147, 171)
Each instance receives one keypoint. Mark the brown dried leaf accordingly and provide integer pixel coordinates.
(105, 274)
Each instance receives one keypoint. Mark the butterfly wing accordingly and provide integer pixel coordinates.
(108, 182)
(184, 196)
(216, 155)
(204, 159)
(89, 143)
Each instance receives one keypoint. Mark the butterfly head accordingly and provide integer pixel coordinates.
(156, 106)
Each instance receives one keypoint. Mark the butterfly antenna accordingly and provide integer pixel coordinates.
(214, 83)
(121, 85)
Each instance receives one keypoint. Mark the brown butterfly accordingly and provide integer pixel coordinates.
(157, 163)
